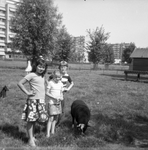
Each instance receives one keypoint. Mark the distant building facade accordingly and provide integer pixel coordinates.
(118, 49)
(7, 9)
(79, 49)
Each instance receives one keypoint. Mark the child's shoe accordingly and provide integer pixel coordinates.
(32, 144)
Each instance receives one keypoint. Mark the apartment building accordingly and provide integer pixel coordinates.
(118, 49)
(7, 9)
(79, 47)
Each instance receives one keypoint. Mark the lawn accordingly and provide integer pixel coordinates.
(119, 112)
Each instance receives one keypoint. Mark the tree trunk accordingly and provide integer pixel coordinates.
(95, 66)
(33, 62)
(106, 66)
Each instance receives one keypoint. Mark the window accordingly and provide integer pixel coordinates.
(2, 29)
(2, 38)
(2, 12)
(2, 20)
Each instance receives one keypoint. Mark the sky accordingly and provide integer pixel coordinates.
(125, 20)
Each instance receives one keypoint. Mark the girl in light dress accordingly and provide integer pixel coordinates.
(55, 96)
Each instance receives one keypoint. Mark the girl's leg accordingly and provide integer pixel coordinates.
(35, 140)
(53, 124)
(30, 129)
(49, 124)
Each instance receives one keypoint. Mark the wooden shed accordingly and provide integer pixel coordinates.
(139, 59)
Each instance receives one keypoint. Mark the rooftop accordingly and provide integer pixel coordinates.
(140, 53)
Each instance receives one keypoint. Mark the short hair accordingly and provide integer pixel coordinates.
(57, 73)
(41, 62)
(63, 63)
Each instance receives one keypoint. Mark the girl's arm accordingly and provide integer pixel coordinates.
(50, 95)
(22, 87)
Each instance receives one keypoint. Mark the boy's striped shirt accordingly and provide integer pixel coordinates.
(66, 78)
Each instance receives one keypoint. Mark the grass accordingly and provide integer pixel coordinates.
(119, 112)
(72, 66)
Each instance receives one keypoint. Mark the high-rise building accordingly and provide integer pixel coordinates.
(79, 47)
(7, 9)
(79, 43)
(118, 49)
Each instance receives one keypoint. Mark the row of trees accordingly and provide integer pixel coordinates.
(38, 29)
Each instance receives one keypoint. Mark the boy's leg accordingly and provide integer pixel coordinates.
(30, 129)
(62, 115)
(58, 120)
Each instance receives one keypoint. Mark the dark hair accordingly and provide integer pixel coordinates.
(63, 63)
(41, 62)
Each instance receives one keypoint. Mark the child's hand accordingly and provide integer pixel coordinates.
(31, 93)
(58, 100)
(65, 89)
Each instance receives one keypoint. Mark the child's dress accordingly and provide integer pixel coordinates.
(54, 107)
(34, 109)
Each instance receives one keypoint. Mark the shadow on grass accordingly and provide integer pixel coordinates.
(14, 132)
(127, 129)
(131, 130)
(130, 78)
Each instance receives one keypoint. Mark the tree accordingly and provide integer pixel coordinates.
(127, 52)
(64, 45)
(108, 54)
(35, 25)
(96, 45)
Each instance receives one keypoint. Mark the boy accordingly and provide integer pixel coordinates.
(65, 79)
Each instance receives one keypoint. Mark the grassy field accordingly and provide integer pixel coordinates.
(119, 112)
(72, 66)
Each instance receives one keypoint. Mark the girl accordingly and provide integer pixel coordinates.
(55, 94)
(36, 96)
